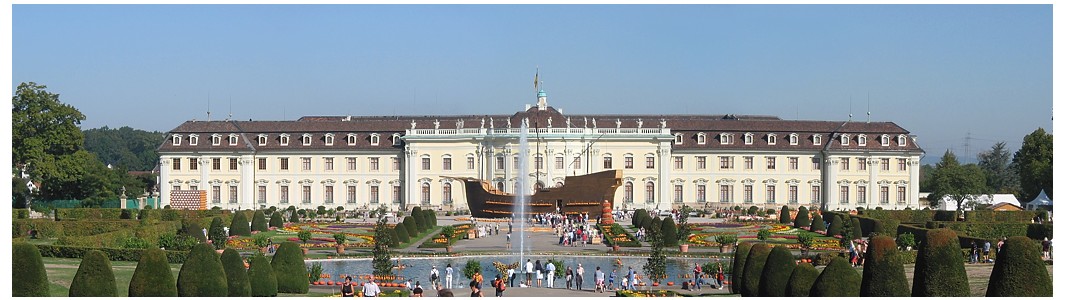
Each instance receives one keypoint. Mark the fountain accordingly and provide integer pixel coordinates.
(522, 200)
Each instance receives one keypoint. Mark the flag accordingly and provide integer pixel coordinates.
(536, 80)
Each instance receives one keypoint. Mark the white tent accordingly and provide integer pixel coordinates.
(1040, 201)
(949, 204)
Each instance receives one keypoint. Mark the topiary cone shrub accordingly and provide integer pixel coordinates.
(276, 220)
(419, 220)
(408, 223)
(95, 277)
(236, 275)
(289, 269)
(802, 218)
(1020, 271)
(818, 224)
(785, 215)
(778, 267)
(258, 222)
(738, 259)
(801, 280)
(394, 236)
(836, 227)
(856, 227)
(33, 279)
(838, 279)
(940, 267)
(752, 269)
(261, 276)
(202, 274)
(239, 226)
(217, 233)
(402, 233)
(153, 277)
(669, 232)
(883, 275)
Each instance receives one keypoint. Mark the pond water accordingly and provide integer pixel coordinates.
(417, 269)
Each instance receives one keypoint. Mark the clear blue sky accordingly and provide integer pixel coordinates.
(939, 71)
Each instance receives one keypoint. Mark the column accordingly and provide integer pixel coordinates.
(549, 164)
(508, 165)
(913, 187)
(247, 182)
(164, 181)
(664, 186)
(408, 185)
(567, 161)
(828, 180)
(205, 168)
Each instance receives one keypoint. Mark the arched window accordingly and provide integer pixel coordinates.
(447, 193)
(817, 139)
(845, 139)
(885, 140)
(628, 192)
(700, 138)
(306, 139)
(748, 138)
(176, 139)
(678, 138)
(902, 140)
(351, 139)
(194, 139)
(375, 139)
(772, 138)
(232, 139)
(329, 139)
(425, 193)
(861, 140)
(793, 139)
(650, 192)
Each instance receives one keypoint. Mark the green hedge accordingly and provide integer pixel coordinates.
(116, 239)
(20, 213)
(903, 216)
(940, 268)
(1040, 231)
(920, 232)
(1024, 216)
(55, 229)
(990, 231)
(617, 228)
(89, 213)
(290, 269)
(174, 257)
(777, 270)
(883, 274)
(153, 277)
(261, 276)
(95, 277)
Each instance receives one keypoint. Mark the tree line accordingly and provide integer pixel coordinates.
(1023, 173)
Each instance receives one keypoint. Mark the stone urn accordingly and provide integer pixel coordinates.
(340, 249)
(617, 248)
(726, 248)
(449, 248)
(684, 248)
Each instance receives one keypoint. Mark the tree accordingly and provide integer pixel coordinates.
(752, 269)
(802, 218)
(656, 263)
(261, 276)
(217, 233)
(669, 232)
(836, 227)
(925, 177)
(43, 130)
(683, 229)
(778, 267)
(1020, 271)
(239, 226)
(1034, 164)
(236, 275)
(738, 260)
(124, 147)
(801, 280)
(962, 183)
(382, 258)
(818, 224)
(289, 269)
(785, 215)
(258, 222)
(94, 277)
(202, 274)
(153, 277)
(33, 279)
(940, 270)
(1001, 176)
(883, 275)
(838, 279)
(276, 220)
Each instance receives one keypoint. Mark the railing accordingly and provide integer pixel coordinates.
(535, 131)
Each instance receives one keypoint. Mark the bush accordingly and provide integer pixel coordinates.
(785, 215)
(217, 233)
(202, 275)
(410, 225)
(94, 277)
(944, 215)
(752, 269)
(637, 218)
(289, 269)
(778, 267)
(1019, 271)
(802, 218)
(940, 269)
(738, 261)
(856, 228)
(261, 276)
(402, 234)
(393, 235)
(1040, 231)
(471, 267)
(33, 279)
(836, 227)
(753, 210)
(276, 220)
(258, 222)
(801, 280)
(236, 275)
(125, 214)
(419, 219)
(838, 279)
(906, 240)
(818, 224)
(294, 217)
(240, 225)
(153, 277)
(669, 232)
(883, 275)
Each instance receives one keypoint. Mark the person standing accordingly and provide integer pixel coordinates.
(698, 276)
(347, 290)
(1046, 248)
(448, 274)
(370, 289)
(434, 277)
(539, 274)
(511, 275)
(579, 278)
(550, 275)
(528, 272)
(631, 277)
(418, 291)
(508, 241)
(987, 251)
(500, 286)
(613, 276)
(720, 277)
(974, 252)
(600, 280)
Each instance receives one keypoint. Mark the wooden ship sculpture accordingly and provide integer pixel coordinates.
(583, 194)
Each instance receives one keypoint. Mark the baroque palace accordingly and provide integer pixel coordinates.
(703, 161)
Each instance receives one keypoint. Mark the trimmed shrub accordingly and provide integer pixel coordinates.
(258, 222)
(1040, 231)
(738, 260)
(801, 280)
(202, 275)
(261, 276)
(878, 228)
(276, 220)
(402, 234)
(836, 227)
(883, 275)
(394, 235)
(802, 218)
(752, 269)
(33, 279)
(94, 278)
(289, 269)
(1020, 271)
(153, 277)
(818, 224)
(778, 267)
(785, 215)
(944, 215)
(753, 210)
(638, 217)
(294, 217)
(419, 219)
(940, 269)
(838, 279)
(239, 226)
(236, 275)
(217, 233)
(856, 228)
(669, 232)
(656, 222)
(410, 225)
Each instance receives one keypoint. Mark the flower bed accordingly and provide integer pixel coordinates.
(615, 235)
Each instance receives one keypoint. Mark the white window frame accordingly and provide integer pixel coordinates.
(262, 139)
(845, 139)
(817, 139)
(176, 139)
(861, 140)
(375, 139)
(771, 138)
(885, 140)
(233, 139)
(352, 139)
(678, 138)
(748, 138)
(395, 139)
(328, 139)
(194, 139)
(306, 139)
(284, 139)
(700, 138)
(793, 139)
(726, 138)
(216, 139)
(902, 140)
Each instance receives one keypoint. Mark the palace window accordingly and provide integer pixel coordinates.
(901, 198)
(793, 194)
(284, 139)
(216, 139)
(375, 194)
(884, 195)
(284, 163)
(817, 139)
(395, 164)
(375, 139)
(375, 164)
(748, 162)
(845, 139)
(194, 139)
(844, 194)
(176, 139)
(232, 164)
(628, 192)
(726, 162)
(216, 164)
(328, 139)
(885, 164)
(177, 164)
(700, 193)
(425, 193)
(328, 163)
(577, 162)
(284, 194)
(447, 163)
(678, 138)
(772, 138)
(500, 164)
(748, 193)
(699, 138)
(447, 193)
(793, 163)
(261, 139)
(395, 139)
(262, 194)
(426, 163)
(816, 161)
(748, 138)
(861, 140)
(650, 162)
(306, 194)
(193, 163)
(351, 164)
(862, 164)
(351, 193)
(329, 194)
(678, 193)
(352, 138)
(902, 164)
(793, 139)
(233, 139)
(306, 139)
(700, 162)
(608, 162)
(538, 161)
(885, 141)
(650, 192)
(397, 194)
(306, 163)
(815, 193)
(771, 194)
(726, 194)
(678, 162)
(902, 140)
(469, 163)
(628, 162)
(845, 163)
(726, 139)
(771, 163)
(560, 163)
(861, 194)
(216, 194)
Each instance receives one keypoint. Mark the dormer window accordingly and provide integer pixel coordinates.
(262, 139)
(232, 139)
(845, 139)
(678, 138)
(395, 139)
(772, 138)
(902, 140)
(284, 139)
(351, 139)
(726, 139)
(817, 139)
(216, 139)
(748, 138)
(328, 139)
(375, 139)
(861, 140)
(885, 140)
(701, 138)
(793, 139)
(194, 139)
(176, 139)
(306, 139)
